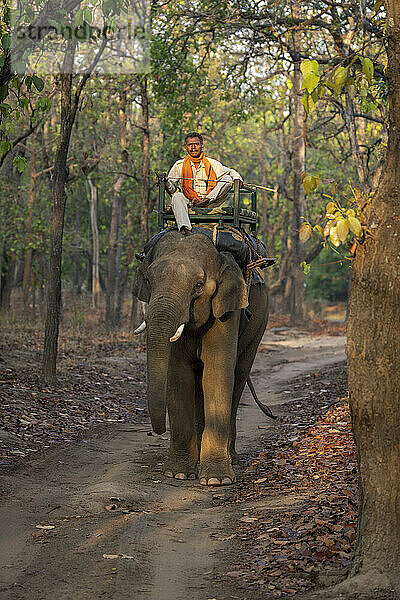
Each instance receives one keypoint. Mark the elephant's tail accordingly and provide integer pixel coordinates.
(266, 409)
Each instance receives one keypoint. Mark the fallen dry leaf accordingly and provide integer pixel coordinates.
(313, 462)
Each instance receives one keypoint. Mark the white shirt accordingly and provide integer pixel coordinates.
(223, 174)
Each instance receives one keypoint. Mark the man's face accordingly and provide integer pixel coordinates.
(194, 147)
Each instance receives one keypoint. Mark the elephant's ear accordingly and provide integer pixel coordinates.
(141, 287)
(231, 288)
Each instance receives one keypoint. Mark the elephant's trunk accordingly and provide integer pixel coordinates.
(163, 319)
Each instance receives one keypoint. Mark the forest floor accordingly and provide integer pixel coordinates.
(86, 513)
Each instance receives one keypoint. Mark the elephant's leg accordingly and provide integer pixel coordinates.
(199, 404)
(184, 445)
(247, 350)
(241, 375)
(219, 357)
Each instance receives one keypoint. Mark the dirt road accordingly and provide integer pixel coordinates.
(97, 520)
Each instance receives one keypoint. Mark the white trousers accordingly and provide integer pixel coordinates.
(180, 204)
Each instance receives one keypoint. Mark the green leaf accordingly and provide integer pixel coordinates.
(310, 82)
(308, 102)
(28, 82)
(38, 83)
(54, 24)
(309, 67)
(340, 79)
(315, 96)
(19, 163)
(311, 103)
(6, 41)
(88, 16)
(304, 101)
(334, 236)
(355, 225)
(3, 92)
(19, 66)
(330, 208)
(5, 108)
(342, 229)
(4, 147)
(368, 69)
(305, 232)
(79, 18)
(306, 268)
(310, 182)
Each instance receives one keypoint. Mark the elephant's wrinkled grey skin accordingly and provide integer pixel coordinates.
(200, 377)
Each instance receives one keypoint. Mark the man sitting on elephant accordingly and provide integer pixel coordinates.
(203, 182)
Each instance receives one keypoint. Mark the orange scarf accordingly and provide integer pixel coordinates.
(187, 177)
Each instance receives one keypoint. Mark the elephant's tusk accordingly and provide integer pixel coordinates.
(178, 333)
(141, 328)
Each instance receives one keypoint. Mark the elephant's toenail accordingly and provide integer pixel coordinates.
(214, 481)
(192, 476)
(203, 481)
(180, 476)
(168, 474)
(226, 481)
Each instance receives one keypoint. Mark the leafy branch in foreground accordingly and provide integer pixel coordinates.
(343, 224)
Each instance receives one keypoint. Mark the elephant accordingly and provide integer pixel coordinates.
(199, 355)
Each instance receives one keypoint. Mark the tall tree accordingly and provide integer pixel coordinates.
(69, 107)
(115, 224)
(297, 295)
(57, 225)
(145, 187)
(29, 252)
(373, 352)
(93, 202)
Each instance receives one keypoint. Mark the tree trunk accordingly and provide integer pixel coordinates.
(6, 278)
(112, 257)
(120, 282)
(95, 244)
(76, 276)
(42, 279)
(145, 190)
(373, 352)
(89, 267)
(69, 107)
(113, 265)
(297, 294)
(57, 224)
(27, 281)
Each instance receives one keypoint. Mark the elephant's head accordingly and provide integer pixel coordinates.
(186, 282)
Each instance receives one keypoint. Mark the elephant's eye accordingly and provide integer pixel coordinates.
(198, 287)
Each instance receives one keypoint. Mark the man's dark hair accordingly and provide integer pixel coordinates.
(194, 134)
